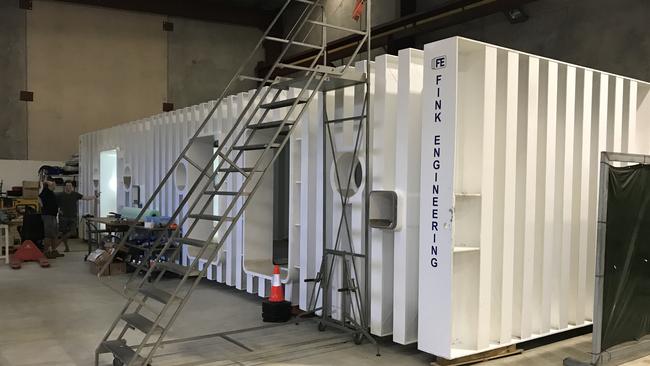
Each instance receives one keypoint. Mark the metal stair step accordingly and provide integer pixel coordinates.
(273, 124)
(309, 2)
(137, 247)
(209, 217)
(155, 293)
(346, 119)
(234, 170)
(193, 242)
(337, 27)
(334, 79)
(293, 42)
(178, 269)
(122, 352)
(225, 193)
(141, 323)
(256, 147)
(283, 103)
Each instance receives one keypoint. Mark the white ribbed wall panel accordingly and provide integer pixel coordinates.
(520, 137)
(407, 185)
(527, 133)
(383, 179)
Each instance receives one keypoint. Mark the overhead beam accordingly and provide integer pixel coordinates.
(219, 11)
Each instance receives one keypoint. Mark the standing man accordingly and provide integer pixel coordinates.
(49, 210)
(68, 202)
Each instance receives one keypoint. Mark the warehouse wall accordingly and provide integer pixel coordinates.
(193, 64)
(14, 172)
(13, 114)
(204, 56)
(602, 34)
(93, 67)
(90, 68)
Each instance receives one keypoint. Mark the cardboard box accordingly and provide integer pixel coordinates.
(30, 189)
(97, 260)
(28, 184)
(30, 193)
(117, 268)
(114, 269)
(95, 268)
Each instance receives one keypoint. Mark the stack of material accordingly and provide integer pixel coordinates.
(98, 259)
(72, 165)
(30, 189)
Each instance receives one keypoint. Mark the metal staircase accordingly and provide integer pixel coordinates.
(146, 292)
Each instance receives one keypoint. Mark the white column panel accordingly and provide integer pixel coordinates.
(407, 186)
(237, 181)
(550, 277)
(310, 176)
(567, 224)
(487, 198)
(585, 187)
(383, 178)
(343, 136)
(642, 142)
(632, 116)
(157, 159)
(436, 195)
(510, 187)
(600, 129)
(358, 207)
(618, 115)
(530, 235)
(499, 193)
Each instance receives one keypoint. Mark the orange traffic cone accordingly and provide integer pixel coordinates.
(275, 309)
(277, 293)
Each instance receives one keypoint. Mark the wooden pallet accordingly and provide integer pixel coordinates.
(479, 357)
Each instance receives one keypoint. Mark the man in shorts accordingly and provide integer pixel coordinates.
(49, 210)
(68, 202)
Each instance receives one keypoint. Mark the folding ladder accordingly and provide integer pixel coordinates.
(144, 293)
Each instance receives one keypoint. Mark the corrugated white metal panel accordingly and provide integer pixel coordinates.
(507, 142)
(437, 155)
(383, 179)
(542, 126)
(407, 186)
(510, 196)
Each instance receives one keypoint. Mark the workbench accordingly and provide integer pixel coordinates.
(139, 245)
(112, 227)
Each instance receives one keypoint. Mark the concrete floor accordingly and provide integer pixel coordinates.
(56, 316)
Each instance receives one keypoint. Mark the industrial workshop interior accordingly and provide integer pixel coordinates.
(324, 182)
